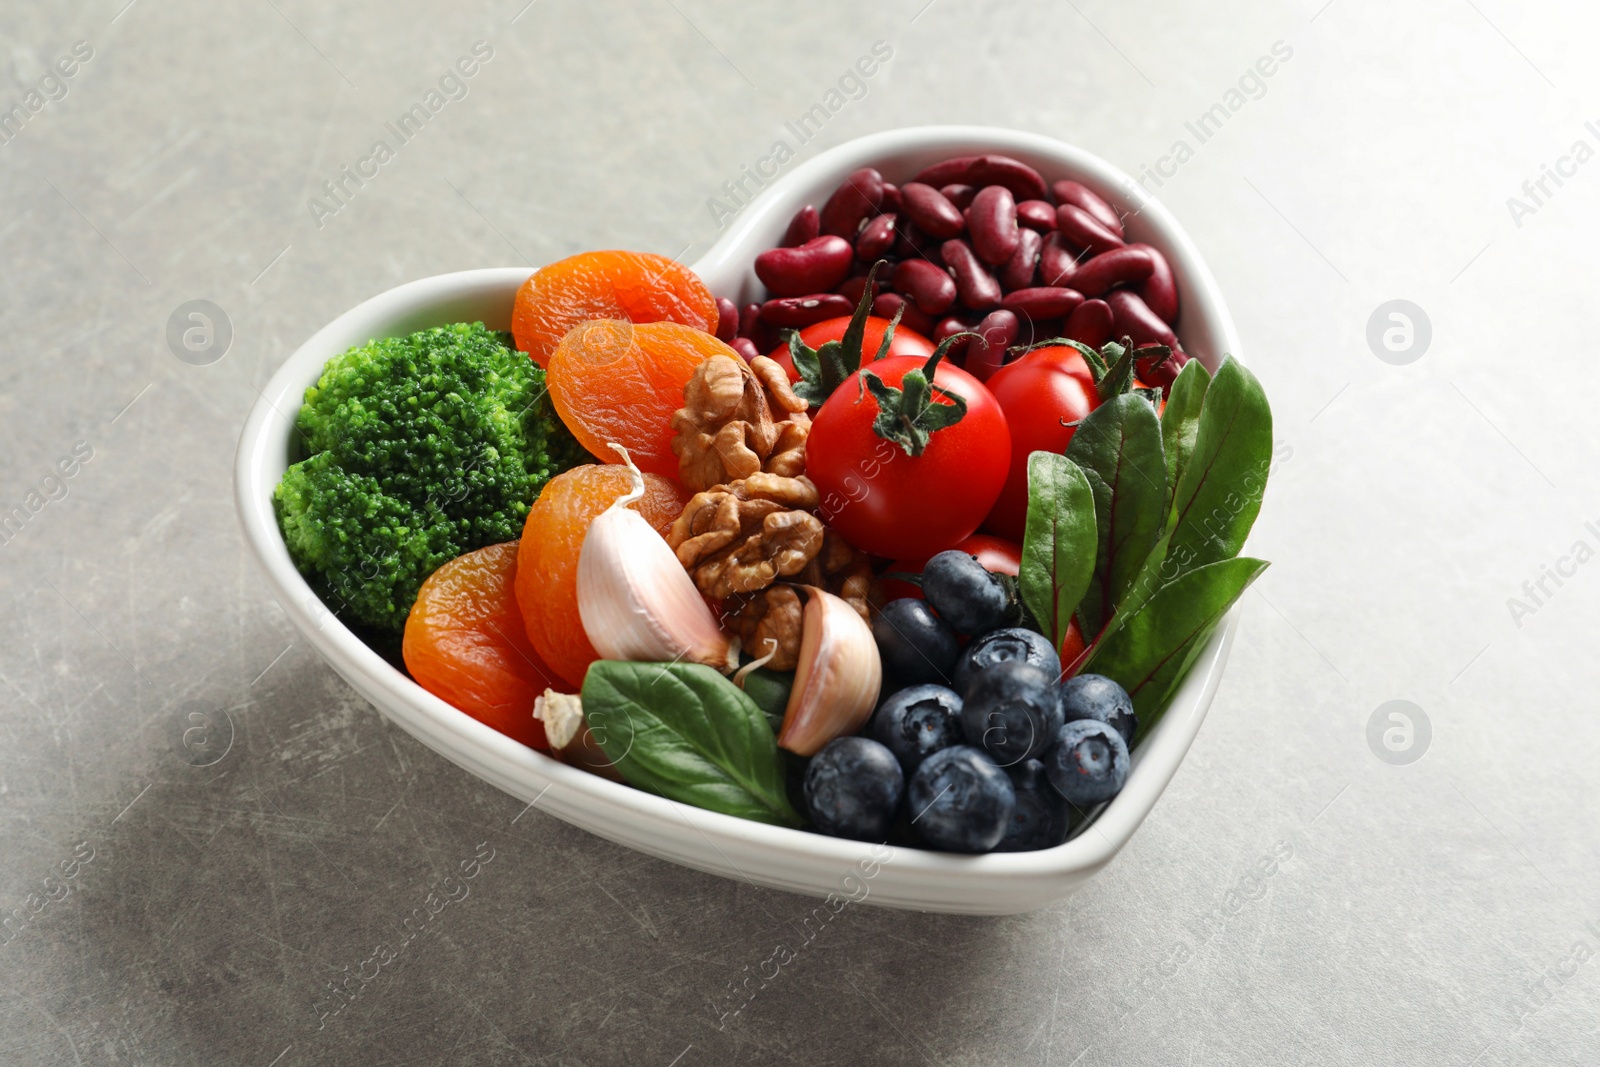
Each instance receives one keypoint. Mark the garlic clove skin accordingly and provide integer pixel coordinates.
(837, 680)
(569, 736)
(635, 599)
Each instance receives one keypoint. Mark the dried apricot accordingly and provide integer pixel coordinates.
(465, 643)
(637, 286)
(613, 381)
(547, 567)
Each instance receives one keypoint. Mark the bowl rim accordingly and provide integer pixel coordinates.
(590, 801)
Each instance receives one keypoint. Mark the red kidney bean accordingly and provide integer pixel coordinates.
(1022, 180)
(1019, 269)
(1133, 318)
(1098, 276)
(1042, 302)
(912, 241)
(992, 222)
(799, 312)
(875, 238)
(1035, 330)
(958, 194)
(1037, 215)
(1160, 371)
(1090, 323)
(976, 288)
(815, 267)
(892, 198)
(949, 327)
(933, 290)
(750, 321)
(1084, 230)
(1080, 195)
(986, 353)
(745, 347)
(931, 210)
(1057, 263)
(886, 304)
(853, 201)
(727, 319)
(1160, 290)
(805, 225)
(852, 289)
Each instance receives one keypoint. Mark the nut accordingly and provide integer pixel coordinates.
(771, 621)
(740, 538)
(738, 420)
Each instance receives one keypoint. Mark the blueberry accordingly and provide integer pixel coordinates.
(960, 801)
(1094, 696)
(917, 646)
(917, 722)
(971, 599)
(997, 646)
(853, 787)
(1041, 818)
(1088, 764)
(1012, 710)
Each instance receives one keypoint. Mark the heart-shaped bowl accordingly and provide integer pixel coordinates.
(794, 860)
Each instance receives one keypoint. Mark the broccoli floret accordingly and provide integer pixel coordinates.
(419, 449)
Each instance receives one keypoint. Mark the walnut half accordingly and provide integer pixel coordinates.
(738, 420)
(741, 537)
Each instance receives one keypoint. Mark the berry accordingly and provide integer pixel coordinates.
(960, 801)
(997, 646)
(1094, 696)
(1088, 764)
(853, 787)
(917, 722)
(971, 599)
(1041, 818)
(1012, 710)
(917, 646)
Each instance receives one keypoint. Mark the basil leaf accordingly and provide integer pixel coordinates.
(1058, 543)
(1152, 650)
(1118, 446)
(770, 692)
(684, 731)
(1219, 492)
(1180, 421)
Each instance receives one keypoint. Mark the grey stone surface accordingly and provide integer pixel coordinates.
(1436, 912)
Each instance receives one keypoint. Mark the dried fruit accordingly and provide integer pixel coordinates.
(614, 382)
(637, 286)
(465, 643)
(547, 563)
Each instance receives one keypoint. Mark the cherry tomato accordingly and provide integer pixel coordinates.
(1039, 393)
(905, 343)
(888, 503)
(994, 553)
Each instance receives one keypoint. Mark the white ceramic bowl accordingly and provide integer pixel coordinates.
(794, 860)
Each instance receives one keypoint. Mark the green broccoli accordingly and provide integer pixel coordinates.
(417, 449)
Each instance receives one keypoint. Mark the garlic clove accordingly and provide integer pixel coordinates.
(837, 680)
(635, 599)
(569, 736)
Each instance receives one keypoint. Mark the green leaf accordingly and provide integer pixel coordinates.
(1219, 491)
(1058, 543)
(1153, 648)
(1118, 446)
(822, 370)
(770, 692)
(684, 731)
(1180, 420)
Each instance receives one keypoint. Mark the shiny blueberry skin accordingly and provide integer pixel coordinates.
(853, 787)
(1041, 818)
(917, 722)
(971, 599)
(1094, 696)
(1012, 710)
(1088, 764)
(997, 646)
(960, 801)
(918, 647)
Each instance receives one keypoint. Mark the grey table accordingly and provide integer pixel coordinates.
(1432, 520)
